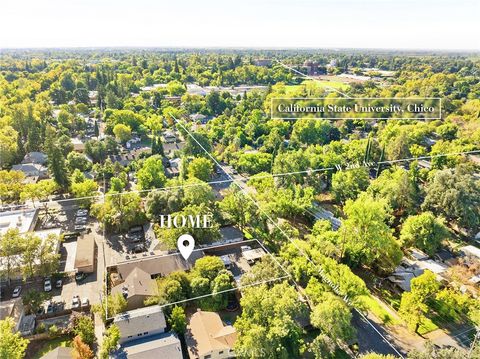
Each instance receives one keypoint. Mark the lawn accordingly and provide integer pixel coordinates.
(62, 341)
(379, 311)
(427, 326)
(292, 89)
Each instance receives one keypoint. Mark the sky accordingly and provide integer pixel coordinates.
(384, 24)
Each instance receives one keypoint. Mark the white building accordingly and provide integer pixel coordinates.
(23, 220)
(142, 322)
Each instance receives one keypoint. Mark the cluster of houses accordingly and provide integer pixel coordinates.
(143, 334)
(417, 262)
(143, 328)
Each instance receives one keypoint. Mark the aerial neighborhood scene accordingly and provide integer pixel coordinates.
(189, 202)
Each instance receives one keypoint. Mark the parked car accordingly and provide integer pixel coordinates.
(135, 238)
(47, 285)
(80, 220)
(85, 302)
(135, 230)
(59, 283)
(16, 292)
(139, 248)
(79, 276)
(82, 212)
(50, 307)
(75, 302)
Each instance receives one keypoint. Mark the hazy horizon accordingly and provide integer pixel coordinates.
(270, 24)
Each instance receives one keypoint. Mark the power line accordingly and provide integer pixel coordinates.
(307, 172)
(246, 194)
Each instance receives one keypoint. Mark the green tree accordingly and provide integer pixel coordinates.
(86, 191)
(12, 345)
(110, 341)
(120, 211)
(122, 132)
(455, 194)
(197, 146)
(333, 318)
(201, 168)
(30, 245)
(323, 347)
(366, 236)
(33, 300)
(8, 146)
(348, 184)
(83, 326)
(424, 231)
(312, 131)
(413, 305)
(111, 306)
(176, 88)
(39, 191)
(178, 320)
(48, 256)
(267, 324)
(11, 185)
(10, 248)
(208, 267)
(78, 161)
(151, 174)
(239, 209)
(397, 188)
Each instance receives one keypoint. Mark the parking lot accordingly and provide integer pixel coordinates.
(119, 245)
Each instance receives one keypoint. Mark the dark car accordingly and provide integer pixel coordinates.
(138, 248)
(80, 276)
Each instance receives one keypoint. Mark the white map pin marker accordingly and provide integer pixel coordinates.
(185, 244)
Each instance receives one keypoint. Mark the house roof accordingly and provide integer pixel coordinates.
(206, 333)
(35, 157)
(253, 254)
(470, 251)
(158, 264)
(29, 168)
(85, 255)
(59, 353)
(137, 282)
(140, 320)
(157, 346)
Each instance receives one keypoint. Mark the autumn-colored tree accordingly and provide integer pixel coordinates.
(80, 349)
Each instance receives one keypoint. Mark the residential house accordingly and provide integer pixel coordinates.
(137, 287)
(165, 345)
(35, 157)
(142, 322)
(157, 264)
(208, 338)
(32, 170)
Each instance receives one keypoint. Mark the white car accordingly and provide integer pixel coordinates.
(75, 302)
(85, 302)
(16, 291)
(47, 286)
(245, 248)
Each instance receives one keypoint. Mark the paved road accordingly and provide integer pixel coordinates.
(369, 340)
